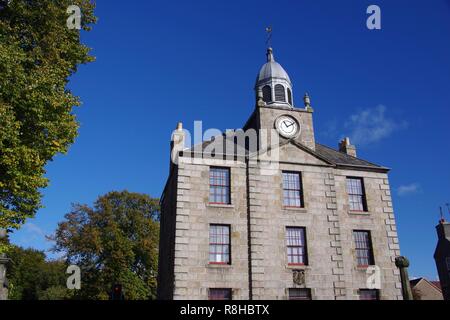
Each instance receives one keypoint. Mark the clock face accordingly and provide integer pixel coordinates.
(287, 126)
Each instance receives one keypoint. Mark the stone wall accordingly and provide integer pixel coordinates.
(167, 238)
(193, 273)
(380, 221)
(272, 275)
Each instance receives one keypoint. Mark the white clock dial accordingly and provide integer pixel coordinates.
(287, 126)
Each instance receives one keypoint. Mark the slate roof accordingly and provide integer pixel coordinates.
(327, 154)
(343, 159)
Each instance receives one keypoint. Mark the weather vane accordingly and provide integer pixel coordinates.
(269, 36)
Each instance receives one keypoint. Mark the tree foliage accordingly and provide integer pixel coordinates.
(114, 242)
(32, 277)
(38, 54)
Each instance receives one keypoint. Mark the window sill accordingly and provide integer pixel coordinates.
(358, 213)
(363, 268)
(297, 209)
(220, 205)
(297, 266)
(219, 265)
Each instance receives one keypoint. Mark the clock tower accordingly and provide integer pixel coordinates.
(275, 107)
(305, 221)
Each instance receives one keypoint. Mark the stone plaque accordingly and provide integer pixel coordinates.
(298, 277)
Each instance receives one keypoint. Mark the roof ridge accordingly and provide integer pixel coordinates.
(349, 156)
(416, 281)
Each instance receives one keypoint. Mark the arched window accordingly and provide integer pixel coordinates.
(279, 93)
(289, 96)
(267, 94)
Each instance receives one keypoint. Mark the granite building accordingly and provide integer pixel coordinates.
(285, 218)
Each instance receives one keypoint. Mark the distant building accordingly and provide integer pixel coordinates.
(309, 225)
(424, 289)
(442, 257)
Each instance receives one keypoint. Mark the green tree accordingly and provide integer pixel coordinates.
(38, 54)
(32, 277)
(116, 241)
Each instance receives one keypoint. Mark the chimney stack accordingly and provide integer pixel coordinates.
(177, 143)
(443, 230)
(346, 147)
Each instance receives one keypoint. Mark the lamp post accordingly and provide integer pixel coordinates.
(402, 263)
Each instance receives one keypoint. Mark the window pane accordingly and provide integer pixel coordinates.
(219, 185)
(363, 248)
(289, 95)
(219, 244)
(267, 94)
(295, 240)
(355, 194)
(299, 294)
(292, 193)
(219, 294)
(368, 294)
(279, 93)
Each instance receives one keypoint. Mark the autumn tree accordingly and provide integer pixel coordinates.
(38, 54)
(115, 241)
(32, 277)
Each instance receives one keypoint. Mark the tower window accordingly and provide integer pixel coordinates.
(356, 194)
(219, 244)
(267, 94)
(299, 294)
(289, 96)
(219, 185)
(219, 294)
(292, 189)
(363, 245)
(369, 294)
(296, 246)
(279, 93)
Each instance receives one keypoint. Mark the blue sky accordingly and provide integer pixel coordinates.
(163, 62)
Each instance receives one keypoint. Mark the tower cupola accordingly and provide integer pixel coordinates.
(273, 85)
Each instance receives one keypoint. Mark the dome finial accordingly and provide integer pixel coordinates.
(270, 54)
(307, 101)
